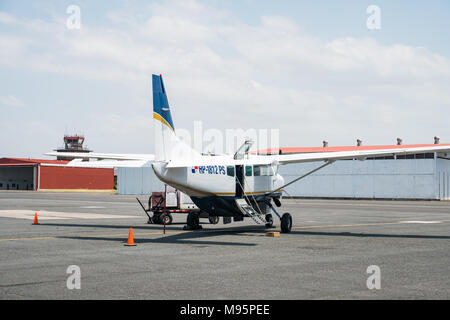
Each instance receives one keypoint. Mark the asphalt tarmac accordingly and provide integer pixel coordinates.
(338, 249)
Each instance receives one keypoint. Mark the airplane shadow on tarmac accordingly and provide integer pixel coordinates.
(184, 237)
(188, 237)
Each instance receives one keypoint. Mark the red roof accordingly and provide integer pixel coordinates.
(25, 162)
(345, 148)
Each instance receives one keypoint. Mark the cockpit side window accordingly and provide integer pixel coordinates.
(264, 170)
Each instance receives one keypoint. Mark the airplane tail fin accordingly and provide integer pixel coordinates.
(167, 145)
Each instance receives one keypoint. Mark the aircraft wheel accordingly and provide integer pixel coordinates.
(277, 202)
(269, 221)
(193, 221)
(213, 220)
(286, 223)
(156, 218)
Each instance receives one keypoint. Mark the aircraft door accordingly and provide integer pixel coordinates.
(239, 181)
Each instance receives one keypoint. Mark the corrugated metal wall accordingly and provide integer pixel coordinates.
(56, 177)
(140, 180)
(443, 179)
(391, 179)
(372, 179)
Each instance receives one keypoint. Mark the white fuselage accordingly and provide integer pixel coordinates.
(217, 175)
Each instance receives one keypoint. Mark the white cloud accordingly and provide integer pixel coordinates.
(6, 18)
(269, 75)
(10, 101)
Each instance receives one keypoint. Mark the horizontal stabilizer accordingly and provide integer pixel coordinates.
(93, 155)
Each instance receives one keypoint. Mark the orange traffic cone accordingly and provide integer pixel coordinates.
(35, 219)
(130, 241)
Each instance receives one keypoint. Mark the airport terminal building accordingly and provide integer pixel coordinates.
(59, 174)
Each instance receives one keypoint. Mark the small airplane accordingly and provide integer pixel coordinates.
(239, 185)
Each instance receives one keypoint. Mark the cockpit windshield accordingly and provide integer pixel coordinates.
(240, 153)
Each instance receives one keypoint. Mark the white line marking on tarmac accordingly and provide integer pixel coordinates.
(421, 221)
(365, 204)
(52, 215)
(368, 224)
(92, 207)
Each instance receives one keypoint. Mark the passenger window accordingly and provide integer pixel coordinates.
(256, 171)
(248, 171)
(230, 171)
(266, 170)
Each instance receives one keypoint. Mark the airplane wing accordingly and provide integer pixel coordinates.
(330, 157)
(93, 155)
(359, 154)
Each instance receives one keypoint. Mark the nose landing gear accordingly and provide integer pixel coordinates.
(285, 220)
(286, 223)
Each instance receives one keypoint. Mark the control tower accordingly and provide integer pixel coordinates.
(72, 143)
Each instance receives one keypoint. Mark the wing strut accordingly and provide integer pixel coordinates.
(305, 175)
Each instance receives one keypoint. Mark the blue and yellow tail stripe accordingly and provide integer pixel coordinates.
(161, 119)
(161, 110)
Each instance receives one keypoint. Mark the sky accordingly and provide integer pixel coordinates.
(313, 70)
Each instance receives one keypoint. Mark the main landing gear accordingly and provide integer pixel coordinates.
(192, 222)
(269, 221)
(213, 220)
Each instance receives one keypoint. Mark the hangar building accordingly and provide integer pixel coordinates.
(36, 174)
(137, 180)
(372, 179)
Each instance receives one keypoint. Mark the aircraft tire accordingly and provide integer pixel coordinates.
(286, 223)
(156, 218)
(214, 220)
(269, 221)
(277, 202)
(193, 221)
